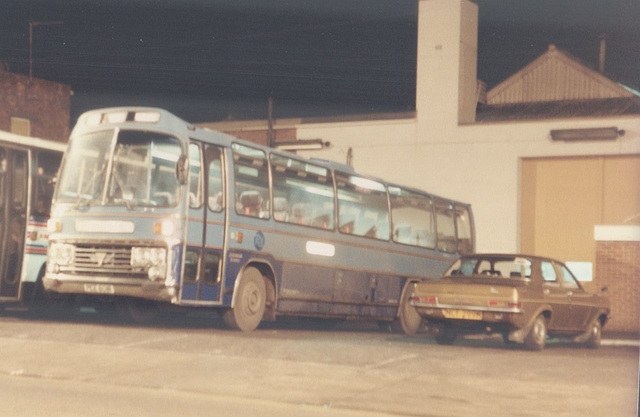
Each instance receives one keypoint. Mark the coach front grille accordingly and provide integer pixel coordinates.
(103, 260)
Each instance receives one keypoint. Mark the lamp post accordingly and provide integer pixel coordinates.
(31, 25)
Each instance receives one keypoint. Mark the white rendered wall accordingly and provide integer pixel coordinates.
(440, 152)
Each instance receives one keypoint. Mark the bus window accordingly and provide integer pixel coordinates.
(144, 170)
(195, 180)
(251, 181)
(211, 268)
(3, 173)
(20, 180)
(87, 160)
(412, 217)
(445, 226)
(47, 164)
(302, 193)
(362, 207)
(191, 259)
(214, 179)
(463, 229)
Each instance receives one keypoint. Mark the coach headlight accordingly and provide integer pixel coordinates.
(153, 259)
(61, 253)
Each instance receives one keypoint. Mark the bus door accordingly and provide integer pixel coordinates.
(13, 218)
(206, 220)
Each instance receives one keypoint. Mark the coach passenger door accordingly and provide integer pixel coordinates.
(205, 235)
(14, 177)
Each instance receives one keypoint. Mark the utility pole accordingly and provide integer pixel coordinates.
(31, 26)
(270, 123)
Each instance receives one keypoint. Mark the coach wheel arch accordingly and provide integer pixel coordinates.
(270, 288)
(254, 290)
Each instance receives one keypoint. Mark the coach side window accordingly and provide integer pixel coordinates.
(195, 181)
(3, 172)
(215, 193)
(363, 208)
(463, 229)
(47, 167)
(412, 218)
(445, 223)
(251, 181)
(302, 193)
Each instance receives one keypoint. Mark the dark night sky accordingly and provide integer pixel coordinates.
(209, 60)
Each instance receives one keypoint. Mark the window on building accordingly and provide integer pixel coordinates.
(21, 126)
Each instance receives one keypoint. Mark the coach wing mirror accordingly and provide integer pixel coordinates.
(182, 169)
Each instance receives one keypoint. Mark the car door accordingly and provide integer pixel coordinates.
(13, 218)
(580, 307)
(556, 296)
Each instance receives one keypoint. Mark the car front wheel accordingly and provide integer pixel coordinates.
(594, 335)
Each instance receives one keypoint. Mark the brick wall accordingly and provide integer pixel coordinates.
(45, 104)
(618, 268)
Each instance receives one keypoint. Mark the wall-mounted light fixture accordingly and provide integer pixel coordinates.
(303, 145)
(596, 133)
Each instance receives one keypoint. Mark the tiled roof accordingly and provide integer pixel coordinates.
(555, 76)
(559, 109)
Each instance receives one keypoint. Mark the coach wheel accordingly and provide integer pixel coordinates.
(249, 307)
(137, 311)
(409, 318)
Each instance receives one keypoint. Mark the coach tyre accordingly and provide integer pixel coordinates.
(249, 307)
(409, 318)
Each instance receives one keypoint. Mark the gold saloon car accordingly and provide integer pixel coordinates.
(524, 298)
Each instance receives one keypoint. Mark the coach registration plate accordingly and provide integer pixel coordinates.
(99, 289)
(462, 314)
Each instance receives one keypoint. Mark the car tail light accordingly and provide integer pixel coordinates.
(424, 300)
(509, 304)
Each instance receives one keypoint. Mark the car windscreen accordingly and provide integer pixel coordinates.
(514, 267)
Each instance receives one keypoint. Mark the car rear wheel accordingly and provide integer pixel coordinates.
(446, 335)
(594, 335)
(537, 336)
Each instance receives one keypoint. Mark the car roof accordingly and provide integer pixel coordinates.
(508, 256)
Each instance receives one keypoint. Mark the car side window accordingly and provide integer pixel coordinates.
(568, 280)
(549, 275)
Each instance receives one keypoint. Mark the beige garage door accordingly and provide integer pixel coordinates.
(563, 198)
